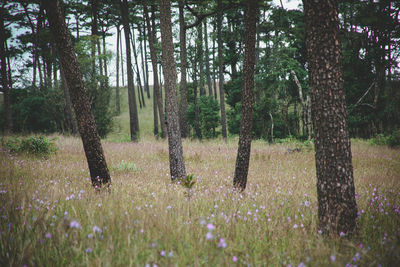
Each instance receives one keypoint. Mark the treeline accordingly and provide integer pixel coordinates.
(209, 47)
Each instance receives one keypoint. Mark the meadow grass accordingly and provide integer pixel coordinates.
(51, 216)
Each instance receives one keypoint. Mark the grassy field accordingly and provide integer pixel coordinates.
(50, 215)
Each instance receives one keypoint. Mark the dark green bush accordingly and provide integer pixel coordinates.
(394, 139)
(209, 118)
(34, 145)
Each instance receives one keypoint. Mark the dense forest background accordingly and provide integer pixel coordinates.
(37, 99)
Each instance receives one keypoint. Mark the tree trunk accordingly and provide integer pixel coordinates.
(183, 86)
(72, 125)
(122, 62)
(117, 99)
(80, 100)
(142, 35)
(214, 67)
(140, 88)
(94, 4)
(337, 208)
(151, 35)
(200, 58)
(133, 113)
(221, 70)
(4, 76)
(176, 161)
(207, 59)
(246, 122)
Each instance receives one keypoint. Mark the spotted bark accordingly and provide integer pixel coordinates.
(337, 209)
(246, 122)
(79, 97)
(176, 162)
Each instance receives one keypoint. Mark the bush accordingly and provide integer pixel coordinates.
(394, 139)
(209, 118)
(34, 145)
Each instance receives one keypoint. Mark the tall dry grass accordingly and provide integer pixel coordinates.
(51, 216)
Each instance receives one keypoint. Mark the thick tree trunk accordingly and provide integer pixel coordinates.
(133, 112)
(183, 85)
(246, 122)
(207, 59)
(221, 70)
(80, 100)
(117, 98)
(337, 209)
(4, 76)
(176, 161)
(157, 92)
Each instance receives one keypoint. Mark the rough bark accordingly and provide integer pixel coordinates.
(80, 100)
(221, 70)
(153, 55)
(246, 122)
(337, 209)
(183, 85)
(4, 75)
(176, 161)
(117, 99)
(133, 113)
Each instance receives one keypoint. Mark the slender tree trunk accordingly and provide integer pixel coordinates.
(214, 63)
(4, 77)
(117, 98)
(337, 208)
(140, 88)
(197, 129)
(72, 125)
(133, 112)
(122, 62)
(177, 164)
(10, 80)
(246, 122)
(207, 59)
(103, 34)
(151, 35)
(221, 69)
(183, 85)
(200, 58)
(94, 4)
(142, 35)
(73, 75)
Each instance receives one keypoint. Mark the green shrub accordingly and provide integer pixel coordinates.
(379, 140)
(393, 140)
(34, 145)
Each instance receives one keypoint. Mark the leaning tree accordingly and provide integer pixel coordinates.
(80, 100)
